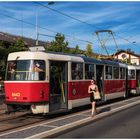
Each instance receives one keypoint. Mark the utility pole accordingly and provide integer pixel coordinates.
(37, 34)
(36, 27)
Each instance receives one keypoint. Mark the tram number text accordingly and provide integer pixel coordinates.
(16, 94)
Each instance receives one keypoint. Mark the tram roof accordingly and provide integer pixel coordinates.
(91, 60)
(103, 62)
(109, 62)
(44, 55)
(137, 67)
(62, 56)
(115, 63)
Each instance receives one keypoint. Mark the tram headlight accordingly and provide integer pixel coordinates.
(15, 98)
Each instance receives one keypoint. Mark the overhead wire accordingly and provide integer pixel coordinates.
(84, 22)
(64, 14)
(29, 23)
(91, 25)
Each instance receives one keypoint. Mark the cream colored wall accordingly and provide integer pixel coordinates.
(134, 59)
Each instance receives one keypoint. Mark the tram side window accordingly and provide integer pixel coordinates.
(138, 75)
(108, 72)
(116, 72)
(77, 71)
(89, 71)
(131, 74)
(122, 73)
(38, 70)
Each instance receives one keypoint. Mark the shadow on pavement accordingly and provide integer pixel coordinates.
(104, 109)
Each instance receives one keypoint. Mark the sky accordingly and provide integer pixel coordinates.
(78, 21)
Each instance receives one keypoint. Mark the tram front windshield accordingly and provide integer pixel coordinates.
(25, 70)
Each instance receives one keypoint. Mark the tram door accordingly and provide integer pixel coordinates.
(58, 85)
(138, 81)
(100, 79)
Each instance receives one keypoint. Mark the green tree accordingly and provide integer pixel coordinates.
(19, 45)
(3, 58)
(2, 43)
(76, 50)
(88, 51)
(59, 44)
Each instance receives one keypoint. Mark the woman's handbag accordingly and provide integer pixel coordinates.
(97, 95)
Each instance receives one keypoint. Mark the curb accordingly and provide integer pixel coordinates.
(79, 123)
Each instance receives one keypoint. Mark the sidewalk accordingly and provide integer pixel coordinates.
(50, 128)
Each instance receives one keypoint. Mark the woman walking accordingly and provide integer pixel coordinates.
(91, 89)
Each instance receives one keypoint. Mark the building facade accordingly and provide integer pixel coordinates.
(128, 56)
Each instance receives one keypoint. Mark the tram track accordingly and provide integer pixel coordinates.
(27, 119)
(17, 121)
(5, 117)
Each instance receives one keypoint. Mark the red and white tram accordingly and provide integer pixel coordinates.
(133, 79)
(137, 79)
(50, 82)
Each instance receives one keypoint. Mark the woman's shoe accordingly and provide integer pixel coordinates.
(96, 112)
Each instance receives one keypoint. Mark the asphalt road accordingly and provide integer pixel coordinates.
(125, 124)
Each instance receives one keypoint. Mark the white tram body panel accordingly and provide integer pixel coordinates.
(62, 82)
(132, 79)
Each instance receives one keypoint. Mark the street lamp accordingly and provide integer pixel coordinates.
(37, 34)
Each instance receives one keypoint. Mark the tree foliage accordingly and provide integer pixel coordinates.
(19, 45)
(88, 51)
(59, 44)
(76, 50)
(3, 57)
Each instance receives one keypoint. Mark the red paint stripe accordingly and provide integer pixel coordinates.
(27, 92)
